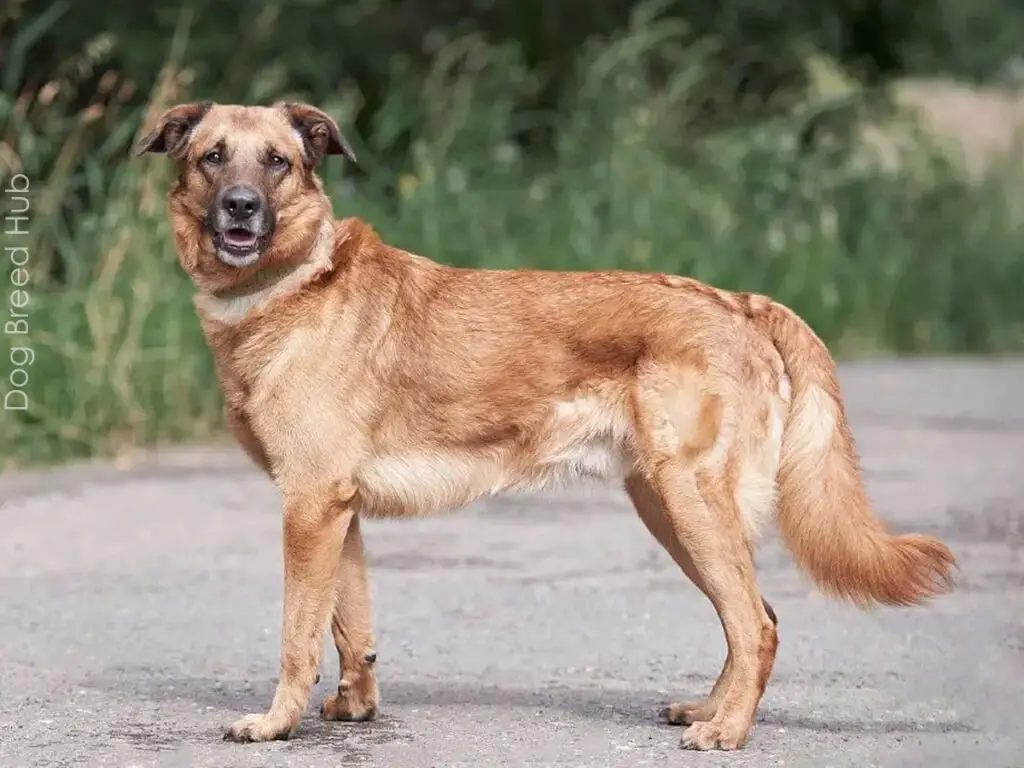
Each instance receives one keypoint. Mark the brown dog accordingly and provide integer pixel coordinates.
(367, 381)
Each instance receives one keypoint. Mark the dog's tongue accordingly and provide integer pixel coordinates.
(240, 238)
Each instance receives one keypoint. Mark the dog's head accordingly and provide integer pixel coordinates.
(247, 195)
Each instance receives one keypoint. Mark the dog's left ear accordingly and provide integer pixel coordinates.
(173, 128)
(320, 134)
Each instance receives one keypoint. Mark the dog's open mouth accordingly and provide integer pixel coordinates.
(239, 239)
(238, 247)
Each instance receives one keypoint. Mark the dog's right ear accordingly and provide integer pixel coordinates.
(173, 128)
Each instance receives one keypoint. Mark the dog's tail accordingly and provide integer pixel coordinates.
(825, 517)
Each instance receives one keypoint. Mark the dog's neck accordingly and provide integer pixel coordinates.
(232, 305)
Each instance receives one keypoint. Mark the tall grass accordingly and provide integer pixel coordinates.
(906, 260)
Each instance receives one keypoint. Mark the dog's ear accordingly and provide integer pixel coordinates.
(320, 134)
(173, 128)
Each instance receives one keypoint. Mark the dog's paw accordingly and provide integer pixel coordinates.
(339, 708)
(356, 703)
(688, 713)
(714, 734)
(253, 728)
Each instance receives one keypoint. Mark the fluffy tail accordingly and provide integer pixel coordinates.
(825, 516)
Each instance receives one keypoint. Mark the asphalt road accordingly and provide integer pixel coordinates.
(140, 615)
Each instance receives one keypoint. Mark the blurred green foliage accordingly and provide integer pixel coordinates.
(718, 140)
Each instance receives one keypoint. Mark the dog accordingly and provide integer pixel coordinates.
(370, 382)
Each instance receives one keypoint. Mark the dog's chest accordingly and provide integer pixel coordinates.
(287, 392)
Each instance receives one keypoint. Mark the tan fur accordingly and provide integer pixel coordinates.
(849, 555)
(370, 382)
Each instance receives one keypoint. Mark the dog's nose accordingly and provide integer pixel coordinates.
(240, 202)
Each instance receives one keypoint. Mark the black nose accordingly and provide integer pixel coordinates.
(240, 202)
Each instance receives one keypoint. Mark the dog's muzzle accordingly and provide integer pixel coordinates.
(240, 225)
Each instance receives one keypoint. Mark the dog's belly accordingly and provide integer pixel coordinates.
(434, 478)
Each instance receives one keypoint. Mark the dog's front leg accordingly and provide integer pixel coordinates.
(358, 697)
(315, 527)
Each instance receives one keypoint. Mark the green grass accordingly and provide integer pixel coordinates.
(909, 262)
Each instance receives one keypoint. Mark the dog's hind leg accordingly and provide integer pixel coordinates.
(654, 517)
(693, 512)
(645, 500)
(358, 697)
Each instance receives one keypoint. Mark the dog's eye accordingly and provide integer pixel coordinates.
(277, 162)
(213, 157)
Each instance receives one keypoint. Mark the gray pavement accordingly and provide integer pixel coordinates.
(140, 615)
